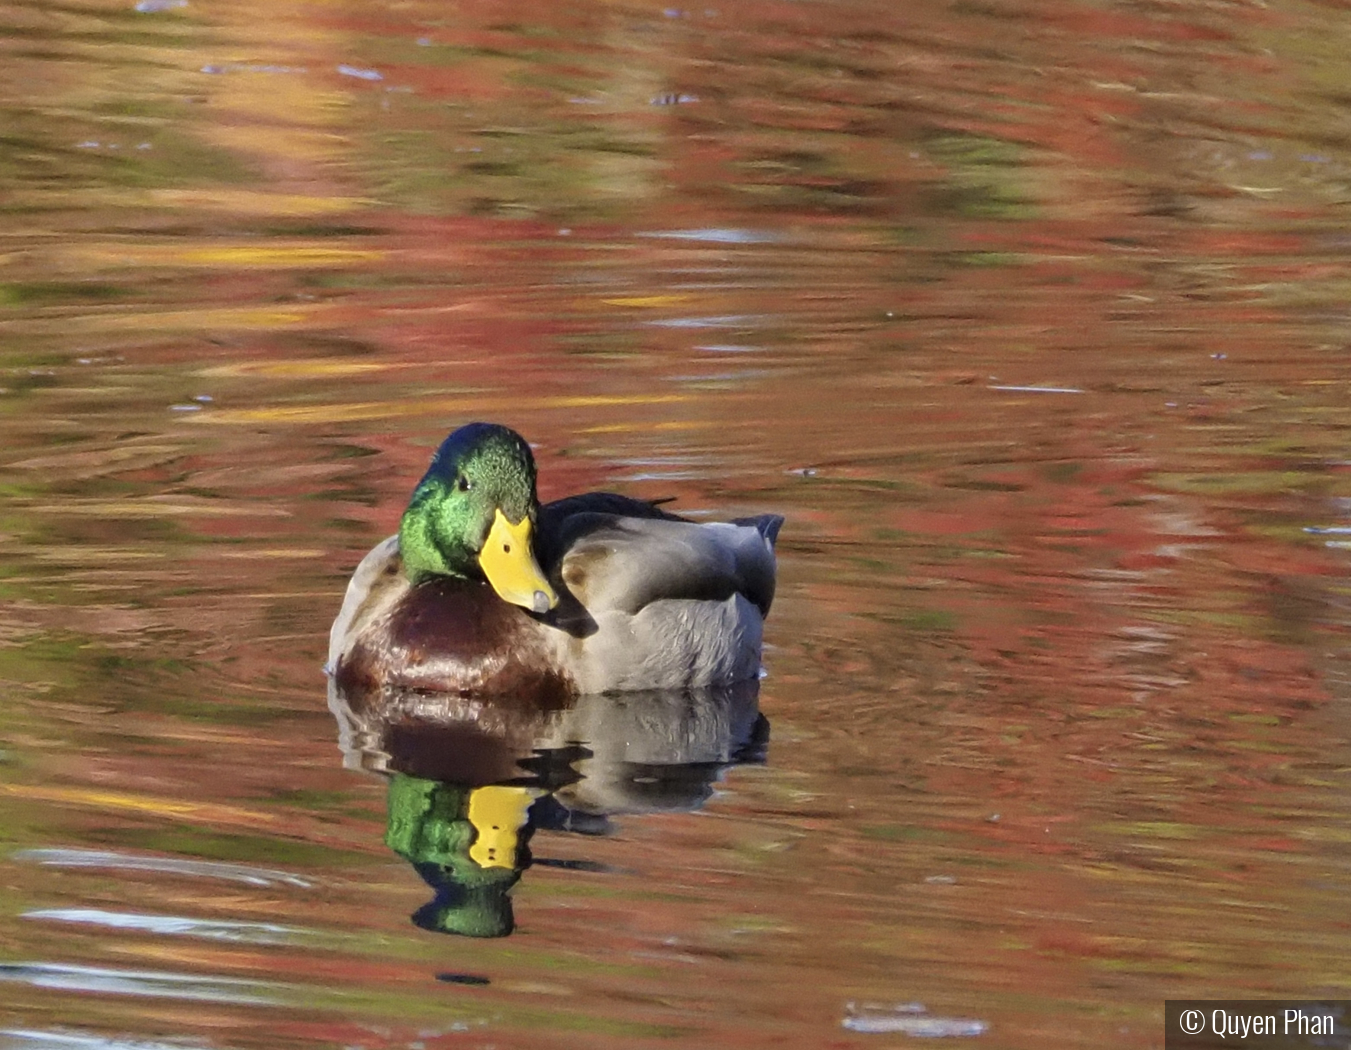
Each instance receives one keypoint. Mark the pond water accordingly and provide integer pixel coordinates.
(1032, 320)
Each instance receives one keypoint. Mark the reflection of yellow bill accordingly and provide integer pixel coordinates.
(508, 560)
(498, 813)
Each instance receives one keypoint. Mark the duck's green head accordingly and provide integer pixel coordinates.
(473, 515)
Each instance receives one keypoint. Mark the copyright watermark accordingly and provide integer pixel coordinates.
(1193, 1022)
(1256, 1024)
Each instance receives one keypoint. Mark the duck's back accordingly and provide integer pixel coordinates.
(671, 603)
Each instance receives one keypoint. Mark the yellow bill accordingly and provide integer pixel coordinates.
(498, 813)
(508, 560)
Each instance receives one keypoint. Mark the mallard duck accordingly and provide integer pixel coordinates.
(484, 592)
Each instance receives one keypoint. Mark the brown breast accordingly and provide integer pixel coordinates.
(452, 635)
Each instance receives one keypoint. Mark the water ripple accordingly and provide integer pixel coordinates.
(910, 1019)
(717, 235)
(722, 321)
(172, 925)
(152, 983)
(37, 1039)
(84, 858)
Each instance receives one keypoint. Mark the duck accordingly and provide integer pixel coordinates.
(485, 593)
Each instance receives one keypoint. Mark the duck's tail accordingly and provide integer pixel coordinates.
(767, 525)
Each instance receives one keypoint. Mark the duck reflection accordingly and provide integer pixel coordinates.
(471, 779)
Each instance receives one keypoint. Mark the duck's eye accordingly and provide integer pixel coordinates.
(463, 483)
(506, 548)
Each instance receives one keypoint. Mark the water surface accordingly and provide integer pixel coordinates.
(1030, 318)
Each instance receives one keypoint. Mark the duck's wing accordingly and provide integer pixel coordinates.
(559, 521)
(607, 503)
(619, 562)
(377, 583)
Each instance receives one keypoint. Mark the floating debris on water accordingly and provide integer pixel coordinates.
(150, 7)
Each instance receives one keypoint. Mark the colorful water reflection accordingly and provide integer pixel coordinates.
(1029, 318)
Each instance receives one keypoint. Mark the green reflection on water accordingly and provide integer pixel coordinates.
(987, 177)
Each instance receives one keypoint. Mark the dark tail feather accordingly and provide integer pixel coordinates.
(767, 524)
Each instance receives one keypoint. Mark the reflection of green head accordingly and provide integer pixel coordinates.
(467, 844)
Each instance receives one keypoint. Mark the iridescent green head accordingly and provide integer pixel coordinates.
(473, 515)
